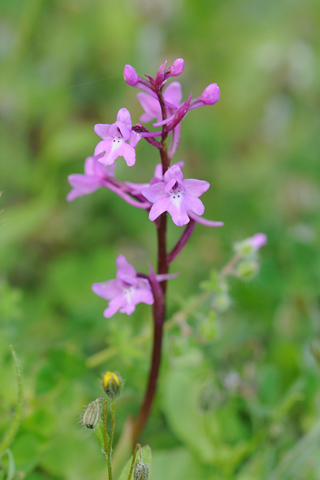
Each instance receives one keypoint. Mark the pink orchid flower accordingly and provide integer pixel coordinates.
(119, 140)
(126, 291)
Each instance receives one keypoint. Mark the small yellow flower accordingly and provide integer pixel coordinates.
(111, 384)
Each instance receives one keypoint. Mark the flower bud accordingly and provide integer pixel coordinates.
(92, 414)
(209, 327)
(111, 384)
(258, 240)
(177, 67)
(130, 75)
(247, 270)
(221, 301)
(250, 245)
(210, 94)
(141, 471)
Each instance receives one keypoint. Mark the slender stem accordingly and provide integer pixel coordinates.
(158, 316)
(105, 439)
(105, 416)
(181, 242)
(13, 428)
(159, 293)
(133, 460)
(113, 424)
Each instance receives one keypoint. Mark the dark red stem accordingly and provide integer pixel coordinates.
(159, 293)
(181, 242)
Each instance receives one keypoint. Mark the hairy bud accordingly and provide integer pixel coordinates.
(111, 384)
(92, 414)
(141, 471)
(247, 269)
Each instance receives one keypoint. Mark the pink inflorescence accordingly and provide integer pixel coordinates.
(167, 191)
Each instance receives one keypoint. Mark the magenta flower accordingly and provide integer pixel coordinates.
(175, 195)
(95, 176)
(119, 140)
(151, 106)
(126, 291)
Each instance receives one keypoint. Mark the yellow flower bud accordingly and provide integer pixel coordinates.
(111, 384)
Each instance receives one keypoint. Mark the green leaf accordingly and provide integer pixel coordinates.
(100, 436)
(13, 428)
(11, 465)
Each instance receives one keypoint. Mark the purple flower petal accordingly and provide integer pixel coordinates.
(128, 153)
(124, 267)
(124, 130)
(159, 207)
(204, 221)
(73, 194)
(173, 94)
(102, 130)
(173, 172)
(178, 212)
(105, 147)
(126, 291)
(124, 117)
(144, 294)
(114, 305)
(154, 192)
(83, 183)
(196, 187)
(150, 106)
(134, 138)
(89, 166)
(193, 204)
(106, 290)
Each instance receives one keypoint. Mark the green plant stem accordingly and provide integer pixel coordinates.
(13, 428)
(113, 424)
(133, 460)
(105, 416)
(105, 438)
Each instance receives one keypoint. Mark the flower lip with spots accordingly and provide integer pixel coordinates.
(118, 140)
(176, 195)
(126, 291)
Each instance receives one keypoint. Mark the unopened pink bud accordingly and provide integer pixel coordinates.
(130, 75)
(258, 240)
(177, 67)
(210, 94)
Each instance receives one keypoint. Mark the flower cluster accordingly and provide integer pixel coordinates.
(168, 191)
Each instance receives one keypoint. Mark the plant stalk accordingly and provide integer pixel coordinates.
(159, 306)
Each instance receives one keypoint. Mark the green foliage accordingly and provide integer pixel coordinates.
(14, 425)
(238, 379)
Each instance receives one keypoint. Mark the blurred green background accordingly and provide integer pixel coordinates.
(245, 405)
